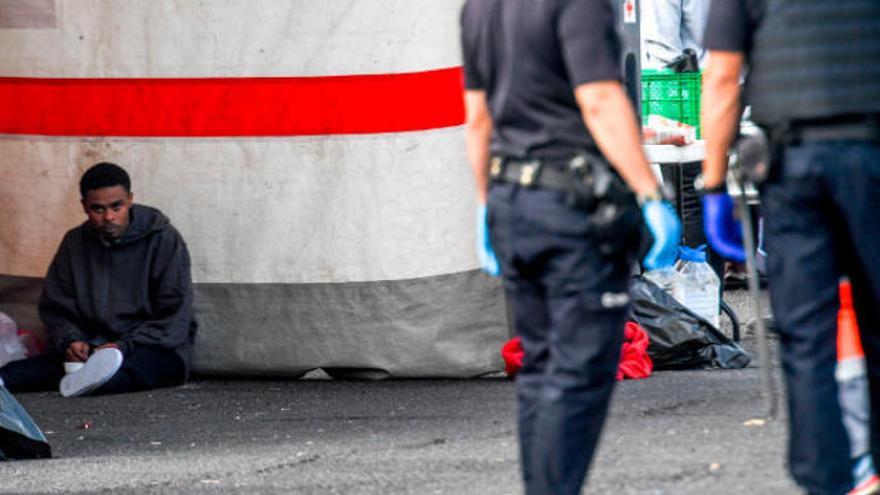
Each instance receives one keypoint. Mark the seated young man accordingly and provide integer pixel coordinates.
(117, 298)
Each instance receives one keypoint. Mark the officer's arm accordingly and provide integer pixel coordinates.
(721, 111)
(612, 123)
(478, 132)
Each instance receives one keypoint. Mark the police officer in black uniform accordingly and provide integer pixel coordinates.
(813, 84)
(546, 113)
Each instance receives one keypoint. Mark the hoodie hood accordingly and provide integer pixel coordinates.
(143, 221)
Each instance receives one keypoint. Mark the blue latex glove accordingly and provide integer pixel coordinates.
(488, 260)
(723, 230)
(665, 227)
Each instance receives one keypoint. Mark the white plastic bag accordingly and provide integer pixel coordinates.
(11, 348)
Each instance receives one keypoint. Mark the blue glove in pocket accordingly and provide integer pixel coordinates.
(723, 230)
(485, 253)
(665, 227)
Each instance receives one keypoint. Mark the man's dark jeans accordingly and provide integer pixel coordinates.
(144, 368)
(822, 221)
(569, 305)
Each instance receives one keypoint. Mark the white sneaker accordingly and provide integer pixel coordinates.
(98, 370)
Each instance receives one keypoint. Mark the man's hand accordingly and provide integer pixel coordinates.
(720, 114)
(665, 227)
(478, 133)
(723, 230)
(485, 252)
(108, 345)
(77, 352)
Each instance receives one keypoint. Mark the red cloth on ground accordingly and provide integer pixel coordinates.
(635, 362)
(513, 353)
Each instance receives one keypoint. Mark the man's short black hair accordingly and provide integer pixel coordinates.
(104, 174)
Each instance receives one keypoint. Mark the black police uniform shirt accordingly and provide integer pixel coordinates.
(529, 56)
(730, 25)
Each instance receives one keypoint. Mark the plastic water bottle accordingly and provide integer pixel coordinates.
(697, 286)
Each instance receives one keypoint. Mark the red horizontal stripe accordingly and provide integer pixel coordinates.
(276, 106)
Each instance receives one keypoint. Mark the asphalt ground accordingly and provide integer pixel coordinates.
(681, 432)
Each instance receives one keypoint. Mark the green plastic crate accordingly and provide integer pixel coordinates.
(673, 95)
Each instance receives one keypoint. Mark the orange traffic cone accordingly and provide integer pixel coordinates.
(851, 371)
(850, 355)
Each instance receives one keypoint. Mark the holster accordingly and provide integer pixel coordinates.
(615, 221)
(757, 157)
(591, 185)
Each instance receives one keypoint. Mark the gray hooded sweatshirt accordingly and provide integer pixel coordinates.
(136, 291)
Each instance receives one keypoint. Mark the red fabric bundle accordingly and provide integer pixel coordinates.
(635, 362)
(513, 353)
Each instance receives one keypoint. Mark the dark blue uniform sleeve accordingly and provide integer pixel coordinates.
(589, 42)
(729, 27)
(472, 79)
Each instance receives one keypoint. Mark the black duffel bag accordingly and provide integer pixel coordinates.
(679, 338)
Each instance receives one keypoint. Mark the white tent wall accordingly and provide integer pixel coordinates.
(349, 252)
(235, 38)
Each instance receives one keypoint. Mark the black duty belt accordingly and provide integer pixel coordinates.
(865, 128)
(841, 132)
(532, 173)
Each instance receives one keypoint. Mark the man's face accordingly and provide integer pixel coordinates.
(107, 209)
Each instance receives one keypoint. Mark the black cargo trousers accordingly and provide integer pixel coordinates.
(822, 221)
(569, 304)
